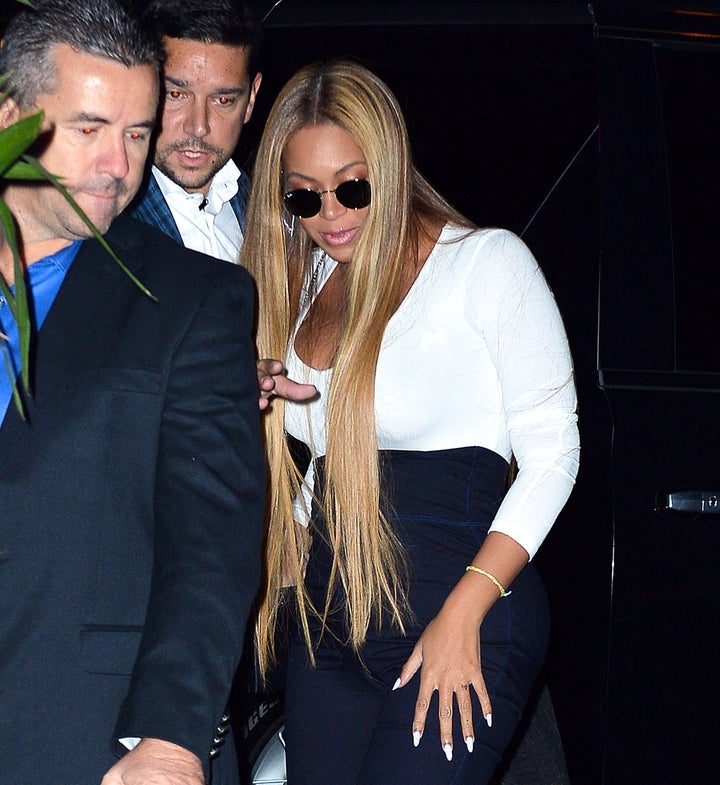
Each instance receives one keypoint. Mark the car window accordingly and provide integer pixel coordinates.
(692, 129)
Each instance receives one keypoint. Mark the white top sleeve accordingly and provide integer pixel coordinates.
(476, 355)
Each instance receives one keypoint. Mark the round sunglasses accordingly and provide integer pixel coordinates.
(305, 203)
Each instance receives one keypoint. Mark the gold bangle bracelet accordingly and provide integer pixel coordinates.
(500, 587)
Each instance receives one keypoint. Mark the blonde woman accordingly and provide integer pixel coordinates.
(439, 355)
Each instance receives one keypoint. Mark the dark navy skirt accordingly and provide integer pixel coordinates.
(344, 724)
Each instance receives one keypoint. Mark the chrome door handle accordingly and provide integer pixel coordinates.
(693, 502)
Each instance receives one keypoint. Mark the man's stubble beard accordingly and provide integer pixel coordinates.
(190, 180)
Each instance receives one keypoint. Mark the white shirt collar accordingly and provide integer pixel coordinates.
(214, 230)
(223, 187)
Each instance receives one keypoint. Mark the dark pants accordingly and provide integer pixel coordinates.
(345, 725)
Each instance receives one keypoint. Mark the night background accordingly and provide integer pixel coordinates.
(503, 101)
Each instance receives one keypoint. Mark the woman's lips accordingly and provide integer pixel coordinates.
(340, 237)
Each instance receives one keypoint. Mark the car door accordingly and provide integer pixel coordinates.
(659, 367)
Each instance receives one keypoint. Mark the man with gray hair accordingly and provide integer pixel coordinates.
(131, 495)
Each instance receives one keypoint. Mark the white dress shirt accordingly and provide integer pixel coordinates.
(214, 229)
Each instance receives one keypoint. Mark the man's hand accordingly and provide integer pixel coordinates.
(272, 381)
(156, 762)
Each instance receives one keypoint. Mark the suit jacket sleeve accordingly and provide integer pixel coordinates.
(208, 503)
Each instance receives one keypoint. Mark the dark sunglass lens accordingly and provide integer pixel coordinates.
(303, 202)
(354, 194)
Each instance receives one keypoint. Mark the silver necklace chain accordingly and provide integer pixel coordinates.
(312, 285)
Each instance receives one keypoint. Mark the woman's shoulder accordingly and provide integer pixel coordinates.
(487, 248)
(478, 235)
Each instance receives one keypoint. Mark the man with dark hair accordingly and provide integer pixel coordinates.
(131, 496)
(195, 191)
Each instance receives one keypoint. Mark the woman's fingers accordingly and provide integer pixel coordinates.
(482, 693)
(422, 704)
(410, 668)
(463, 700)
(445, 713)
(466, 717)
(454, 672)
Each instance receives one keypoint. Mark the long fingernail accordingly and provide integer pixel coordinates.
(448, 751)
(488, 719)
(469, 742)
(397, 684)
(417, 735)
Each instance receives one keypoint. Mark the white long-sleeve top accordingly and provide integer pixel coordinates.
(476, 355)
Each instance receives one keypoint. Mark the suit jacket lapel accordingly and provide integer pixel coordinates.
(150, 206)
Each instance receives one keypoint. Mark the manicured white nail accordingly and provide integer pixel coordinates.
(448, 751)
(469, 742)
(397, 684)
(417, 735)
(488, 719)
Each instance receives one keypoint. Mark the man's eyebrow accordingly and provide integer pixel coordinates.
(150, 123)
(229, 90)
(86, 117)
(173, 80)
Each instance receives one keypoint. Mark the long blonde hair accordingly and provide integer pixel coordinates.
(368, 560)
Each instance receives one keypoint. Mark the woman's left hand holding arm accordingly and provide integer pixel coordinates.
(448, 651)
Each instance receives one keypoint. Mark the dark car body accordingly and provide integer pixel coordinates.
(595, 133)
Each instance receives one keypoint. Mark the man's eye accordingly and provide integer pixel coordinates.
(174, 93)
(223, 100)
(86, 131)
(136, 135)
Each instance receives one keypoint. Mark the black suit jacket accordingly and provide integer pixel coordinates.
(130, 513)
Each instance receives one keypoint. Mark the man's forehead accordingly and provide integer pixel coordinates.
(75, 63)
(84, 78)
(183, 53)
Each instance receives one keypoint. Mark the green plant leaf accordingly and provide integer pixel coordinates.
(18, 307)
(16, 138)
(22, 171)
(8, 367)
